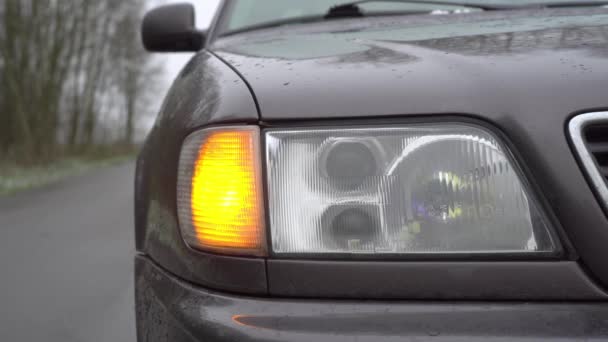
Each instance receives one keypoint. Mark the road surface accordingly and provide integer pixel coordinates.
(66, 260)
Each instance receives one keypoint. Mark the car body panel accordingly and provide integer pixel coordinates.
(171, 310)
(432, 280)
(322, 70)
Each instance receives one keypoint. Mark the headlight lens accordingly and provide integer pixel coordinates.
(418, 189)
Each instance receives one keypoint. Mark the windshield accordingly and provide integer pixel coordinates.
(250, 13)
(246, 14)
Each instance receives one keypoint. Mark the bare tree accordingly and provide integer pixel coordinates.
(59, 61)
(137, 69)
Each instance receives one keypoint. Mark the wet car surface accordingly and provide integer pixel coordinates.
(520, 75)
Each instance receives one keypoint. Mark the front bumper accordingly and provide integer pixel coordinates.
(169, 309)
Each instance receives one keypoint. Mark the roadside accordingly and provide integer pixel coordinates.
(16, 177)
(67, 255)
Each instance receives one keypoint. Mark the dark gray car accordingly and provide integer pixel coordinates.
(378, 171)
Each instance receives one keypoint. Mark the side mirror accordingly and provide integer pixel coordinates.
(171, 28)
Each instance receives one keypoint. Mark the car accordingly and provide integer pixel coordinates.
(377, 171)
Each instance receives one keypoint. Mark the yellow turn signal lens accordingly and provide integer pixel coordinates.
(220, 191)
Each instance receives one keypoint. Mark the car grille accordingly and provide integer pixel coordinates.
(589, 134)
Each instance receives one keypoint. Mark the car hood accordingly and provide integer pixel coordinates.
(486, 64)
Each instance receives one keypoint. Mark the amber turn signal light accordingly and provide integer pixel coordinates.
(220, 198)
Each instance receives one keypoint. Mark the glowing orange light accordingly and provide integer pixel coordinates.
(226, 197)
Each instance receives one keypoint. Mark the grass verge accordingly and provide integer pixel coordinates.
(15, 177)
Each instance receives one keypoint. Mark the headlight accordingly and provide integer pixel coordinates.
(418, 189)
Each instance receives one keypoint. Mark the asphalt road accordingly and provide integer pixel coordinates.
(66, 260)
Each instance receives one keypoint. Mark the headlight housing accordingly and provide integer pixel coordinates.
(417, 189)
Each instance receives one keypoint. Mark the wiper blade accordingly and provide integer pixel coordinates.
(344, 11)
(353, 10)
(557, 4)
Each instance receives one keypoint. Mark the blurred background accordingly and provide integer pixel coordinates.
(77, 87)
(78, 95)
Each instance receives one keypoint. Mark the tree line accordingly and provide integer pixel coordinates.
(73, 75)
